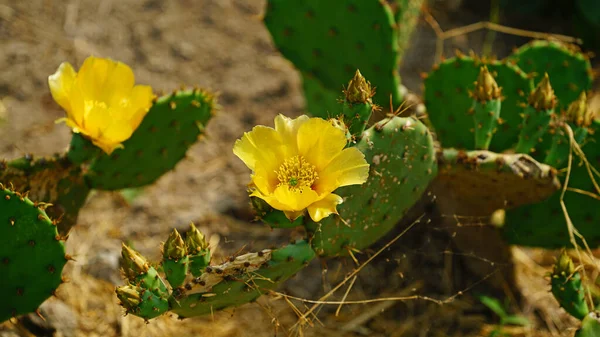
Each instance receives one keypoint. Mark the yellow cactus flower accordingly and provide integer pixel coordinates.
(298, 165)
(101, 100)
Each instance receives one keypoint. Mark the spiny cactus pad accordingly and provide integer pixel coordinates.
(331, 39)
(242, 280)
(523, 225)
(52, 180)
(448, 101)
(406, 13)
(569, 69)
(402, 158)
(171, 126)
(320, 101)
(477, 183)
(32, 256)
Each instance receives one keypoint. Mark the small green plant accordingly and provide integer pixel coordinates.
(500, 310)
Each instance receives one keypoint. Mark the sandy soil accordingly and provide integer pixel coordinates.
(220, 45)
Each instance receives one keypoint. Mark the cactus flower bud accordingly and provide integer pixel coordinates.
(564, 265)
(359, 90)
(195, 240)
(174, 247)
(486, 88)
(577, 109)
(129, 296)
(543, 98)
(133, 263)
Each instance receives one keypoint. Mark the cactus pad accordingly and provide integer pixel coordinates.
(477, 183)
(32, 256)
(171, 126)
(590, 326)
(52, 180)
(448, 101)
(320, 101)
(402, 158)
(241, 280)
(329, 40)
(569, 69)
(523, 224)
(567, 287)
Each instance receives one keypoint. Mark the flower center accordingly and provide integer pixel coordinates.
(297, 173)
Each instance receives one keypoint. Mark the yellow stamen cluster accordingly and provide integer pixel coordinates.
(297, 173)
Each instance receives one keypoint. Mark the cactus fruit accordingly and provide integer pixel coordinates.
(328, 40)
(537, 117)
(402, 158)
(486, 108)
(197, 250)
(567, 287)
(172, 125)
(175, 259)
(477, 183)
(448, 103)
(358, 106)
(54, 180)
(569, 69)
(240, 280)
(32, 254)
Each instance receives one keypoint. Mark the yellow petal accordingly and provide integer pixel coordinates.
(140, 103)
(265, 179)
(295, 200)
(60, 84)
(288, 130)
(261, 144)
(324, 207)
(92, 76)
(291, 215)
(319, 142)
(349, 167)
(119, 81)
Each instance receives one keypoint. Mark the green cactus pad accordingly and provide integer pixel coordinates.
(171, 126)
(567, 287)
(477, 183)
(331, 39)
(52, 180)
(569, 69)
(448, 102)
(523, 225)
(402, 158)
(240, 281)
(32, 256)
(590, 326)
(559, 150)
(485, 115)
(272, 217)
(320, 101)
(406, 13)
(533, 130)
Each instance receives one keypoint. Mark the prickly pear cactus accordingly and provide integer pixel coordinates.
(522, 225)
(172, 125)
(32, 254)
(328, 40)
(569, 69)
(402, 158)
(54, 180)
(567, 287)
(450, 105)
(242, 279)
(477, 183)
